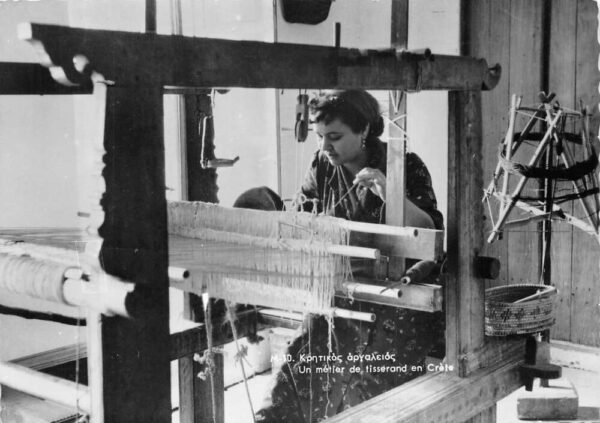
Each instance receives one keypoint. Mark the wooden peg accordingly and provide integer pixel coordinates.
(487, 267)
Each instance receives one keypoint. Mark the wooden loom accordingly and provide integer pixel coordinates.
(134, 240)
(288, 260)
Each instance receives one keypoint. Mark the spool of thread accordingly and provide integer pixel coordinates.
(418, 272)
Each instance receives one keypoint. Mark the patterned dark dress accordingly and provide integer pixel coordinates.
(308, 389)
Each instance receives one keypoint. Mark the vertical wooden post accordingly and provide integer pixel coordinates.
(547, 184)
(151, 16)
(395, 194)
(396, 153)
(196, 402)
(136, 351)
(399, 36)
(464, 291)
(195, 395)
(202, 183)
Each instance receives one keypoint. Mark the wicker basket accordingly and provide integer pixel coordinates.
(505, 317)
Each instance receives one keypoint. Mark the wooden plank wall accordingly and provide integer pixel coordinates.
(562, 80)
(510, 32)
(585, 274)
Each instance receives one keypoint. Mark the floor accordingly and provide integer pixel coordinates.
(238, 409)
(572, 358)
(237, 406)
(587, 385)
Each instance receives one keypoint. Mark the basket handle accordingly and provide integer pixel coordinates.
(539, 294)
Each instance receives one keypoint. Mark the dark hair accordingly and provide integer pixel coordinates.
(259, 198)
(355, 108)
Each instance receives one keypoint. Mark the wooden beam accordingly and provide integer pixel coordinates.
(423, 297)
(408, 242)
(427, 245)
(45, 386)
(493, 351)
(464, 291)
(20, 407)
(31, 78)
(129, 57)
(188, 393)
(486, 416)
(279, 318)
(41, 315)
(54, 357)
(136, 351)
(439, 396)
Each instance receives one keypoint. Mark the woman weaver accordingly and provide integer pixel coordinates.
(327, 372)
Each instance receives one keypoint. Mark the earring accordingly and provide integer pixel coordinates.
(363, 144)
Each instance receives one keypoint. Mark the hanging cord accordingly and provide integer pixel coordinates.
(208, 357)
(331, 326)
(298, 202)
(352, 188)
(396, 97)
(241, 353)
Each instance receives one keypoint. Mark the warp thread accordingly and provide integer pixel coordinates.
(249, 260)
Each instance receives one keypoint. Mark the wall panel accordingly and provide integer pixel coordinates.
(561, 81)
(525, 79)
(585, 311)
(510, 32)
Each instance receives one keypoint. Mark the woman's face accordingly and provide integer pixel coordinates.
(339, 143)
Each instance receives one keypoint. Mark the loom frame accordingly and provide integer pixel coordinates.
(133, 61)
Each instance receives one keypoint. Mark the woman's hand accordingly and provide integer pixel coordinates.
(374, 179)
